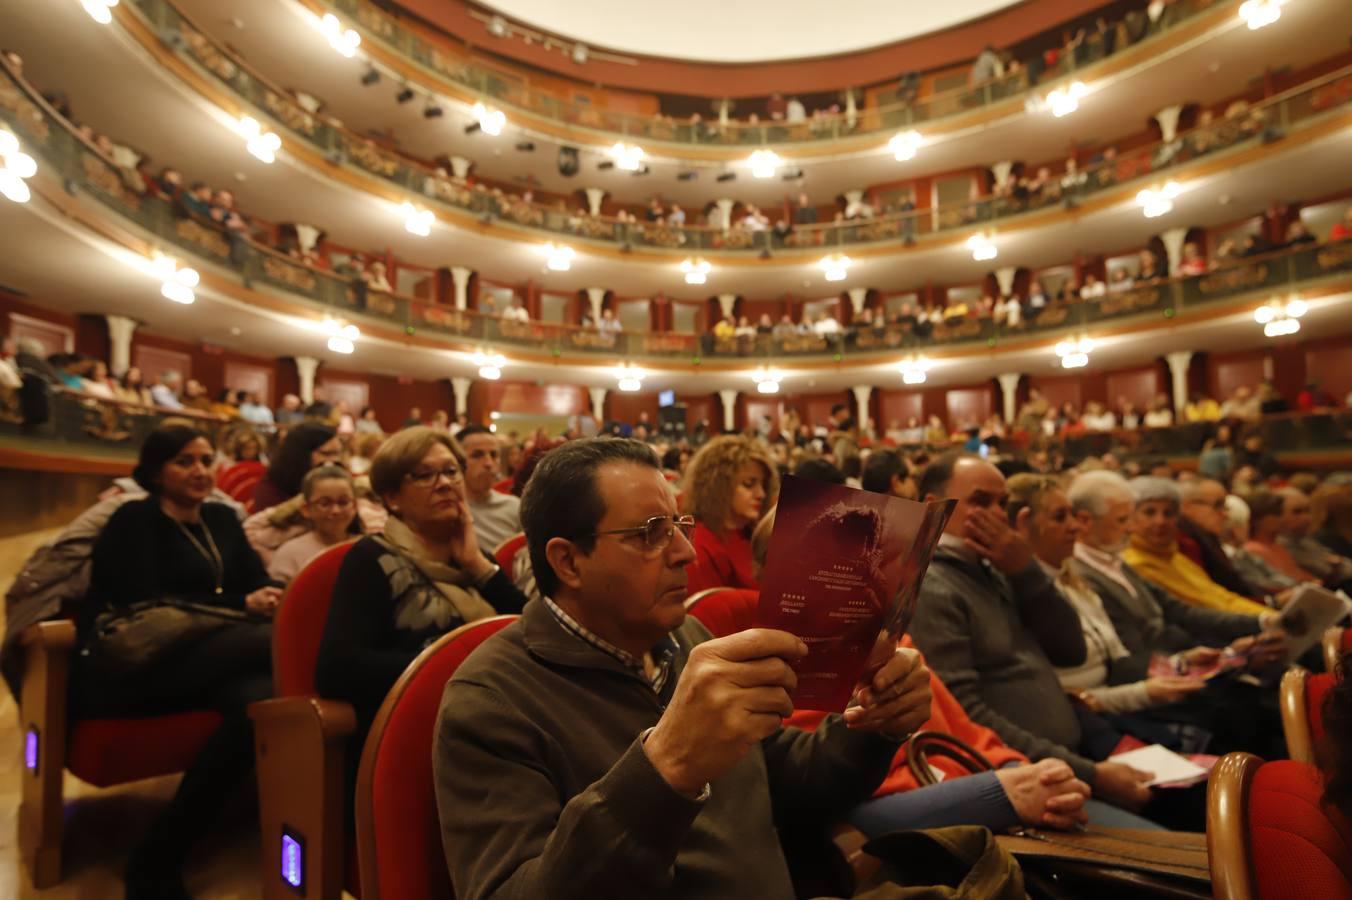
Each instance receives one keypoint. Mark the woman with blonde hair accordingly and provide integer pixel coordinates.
(729, 483)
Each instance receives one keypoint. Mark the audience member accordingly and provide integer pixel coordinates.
(887, 472)
(497, 516)
(305, 446)
(728, 485)
(164, 393)
(1160, 414)
(1308, 553)
(1201, 524)
(172, 547)
(330, 509)
(1267, 517)
(289, 413)
(1331, 518)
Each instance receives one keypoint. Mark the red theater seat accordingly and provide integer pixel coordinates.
(103, 752)
(301, 745)
(506, 552)
(230, 477)
(504, 486)
(724, 611)
(398, 835)
(1270, 837)
(1337, 641)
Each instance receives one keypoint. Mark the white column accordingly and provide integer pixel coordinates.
(853, 198)
(857, 297)
(306, 366)
(1168, 119)
(1001, 171)
(460, 275)
(861, 394)
(1005, 277)
(727, 303)
(1009, 388)
(594, 198)
(598, 400)
(725, 205)
(597, 298)
(460, 166)
(851, 108)
(120, 329)
(729, 399)
(724, 107)
(461, 388)
(1173, 246)
(1178, 368)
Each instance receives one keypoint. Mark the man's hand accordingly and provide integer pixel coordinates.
(1201, 657)
(896, 700)
(1121, 785)
(1262, 650)
(1172, 688)
(989, 533)
(733, 693)
(1045, 793)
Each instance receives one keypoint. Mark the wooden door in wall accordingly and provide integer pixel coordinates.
(968, 407)
(54, 338)
(156, 361)
(354, 394)
(1136, 386)
(253, 379)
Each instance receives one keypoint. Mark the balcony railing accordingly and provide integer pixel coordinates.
(514, 94)
(1264, 122)
(82, 168)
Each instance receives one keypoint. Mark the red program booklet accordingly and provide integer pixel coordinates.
(842, 573)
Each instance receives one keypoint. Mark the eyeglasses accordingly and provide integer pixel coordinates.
(1217, 505)
(329, 504)
(657, 532)
(427, 477)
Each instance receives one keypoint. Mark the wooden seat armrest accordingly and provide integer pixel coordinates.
(55, 635)
(334, 718)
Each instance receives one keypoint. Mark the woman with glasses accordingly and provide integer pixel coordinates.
(425, 575)
(329, 507)
(305, 446)
(728, 485)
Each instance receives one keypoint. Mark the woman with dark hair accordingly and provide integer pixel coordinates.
(131, 388)
(306, 446)
(169, 549)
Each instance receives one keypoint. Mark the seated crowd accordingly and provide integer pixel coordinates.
(1070, 612)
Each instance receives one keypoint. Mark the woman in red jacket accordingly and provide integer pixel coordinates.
(728, 486)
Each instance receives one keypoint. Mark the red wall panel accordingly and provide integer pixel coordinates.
(1328, 363)
(1059, 389)
(626, 407)
(968, 406)
(1137, 386)
(900, 407)
(1231, 370)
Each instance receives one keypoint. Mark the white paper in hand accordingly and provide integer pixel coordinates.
(1165, 765)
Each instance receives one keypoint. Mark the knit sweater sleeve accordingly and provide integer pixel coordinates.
(1122, 698)
(941, 630)
(523, 843)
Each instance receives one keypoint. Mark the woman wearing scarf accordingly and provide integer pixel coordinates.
(399, 591)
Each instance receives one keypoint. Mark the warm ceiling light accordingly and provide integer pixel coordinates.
(100, 11)
(263, 145)
(629, 379)
(176, 284)
(491, 121)
(764, 163)
(628, 157)
(904, 145)
(417, 221)
(1278, 318)
(914, 369)
(1156, 202)
(1065, 100)
(836, 266)
(1075, 353)
(982, 247)
(559, 257)
(696, 270)
(15, 167)
(490, 365)
(1259, 13)
(342, 336)
(344, 40)
(767, 380)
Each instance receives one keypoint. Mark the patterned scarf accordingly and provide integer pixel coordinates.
(426, 591)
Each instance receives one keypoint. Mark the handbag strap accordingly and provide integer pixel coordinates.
(924, 743)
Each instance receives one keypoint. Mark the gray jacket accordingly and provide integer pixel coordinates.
(995, 642)
(1155, 621)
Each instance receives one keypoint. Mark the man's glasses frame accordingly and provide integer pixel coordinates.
(657, 532)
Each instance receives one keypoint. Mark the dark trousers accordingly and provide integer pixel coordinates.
(225, 672)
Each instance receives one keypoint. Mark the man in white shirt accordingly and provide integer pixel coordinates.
(165, 391)
(496, 516)
(826, 326)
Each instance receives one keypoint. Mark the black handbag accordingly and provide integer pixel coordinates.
(143, 633)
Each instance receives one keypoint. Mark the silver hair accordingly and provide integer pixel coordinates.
(1091, 491)
(1149, 487)
(1236, 512)
(31, 346)
(1188, 489)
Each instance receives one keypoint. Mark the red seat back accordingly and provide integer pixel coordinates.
(398, 834)
(299, 625)
(106, 752)
(504, 486)
(1300, 849)
(507, 551)
(242, 490)
(724, 611)
(230, 477)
